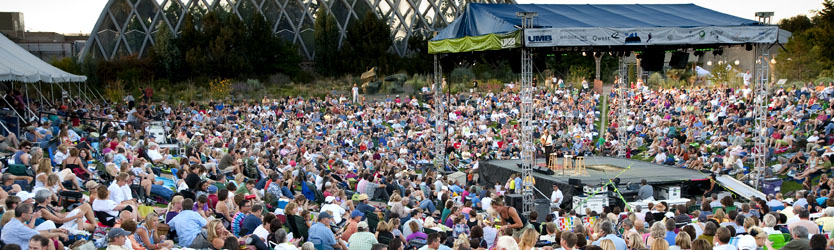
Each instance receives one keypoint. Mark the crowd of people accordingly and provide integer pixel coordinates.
(339, 173)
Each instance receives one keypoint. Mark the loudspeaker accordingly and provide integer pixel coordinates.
(679, 60)
(514, 200)
(575, 182)
(653, 60)
(542, 170)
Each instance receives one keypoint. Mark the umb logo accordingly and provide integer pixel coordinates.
(508, 42)
(540, 39)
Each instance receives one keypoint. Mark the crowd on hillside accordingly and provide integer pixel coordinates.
(335, 173)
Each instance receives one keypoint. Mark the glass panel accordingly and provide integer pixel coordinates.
(122, 51)
(134, 34)
(340, 11)
(173, 12)
(147, 11)
(294, 9)
(120, 9)
(107, 35)
(246, 9)
(272, 12)
(285, 29)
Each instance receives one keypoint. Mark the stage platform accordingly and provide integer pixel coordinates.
(598, 170)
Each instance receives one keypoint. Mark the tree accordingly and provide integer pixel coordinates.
(823, 33)
(367, 44)
(801, 60)
(327, 43)
(795, 24)
(168, 55)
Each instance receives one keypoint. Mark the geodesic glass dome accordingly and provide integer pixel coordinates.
(128, 26)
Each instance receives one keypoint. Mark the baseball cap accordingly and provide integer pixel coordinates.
(356, 213)
(329, 199)
(116, 232)
(325, 215)
(747, 242)
(212, 189)
(362, 225)
(362, 197)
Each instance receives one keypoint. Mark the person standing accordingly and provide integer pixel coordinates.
(355, 91)
(556, 197)
(747, 77)
(547, 142)
(646, 191)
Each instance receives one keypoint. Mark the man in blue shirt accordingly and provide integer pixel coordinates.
(608, 231)
(189, 226)
(16, 232)
(670, 232)
(252, 220)
(321, 236)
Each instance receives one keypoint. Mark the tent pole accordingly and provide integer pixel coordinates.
(83, 94)
(43, 98)
(3, 124)
(14, 110)
(52, 91)
(28, 101)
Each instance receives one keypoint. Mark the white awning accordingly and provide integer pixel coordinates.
(17, 64)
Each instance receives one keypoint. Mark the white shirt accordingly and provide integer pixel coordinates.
(261, 232)
(60, 156)
(557, 197)
(119, 194)
(107, 206)
(154, 155)
(336, 210)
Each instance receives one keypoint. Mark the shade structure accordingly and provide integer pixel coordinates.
(597, 25)
(17, 64)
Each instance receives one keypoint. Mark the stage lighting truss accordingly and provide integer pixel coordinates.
(622, 121)
(440, 118)
(760, 113)
(528, 150)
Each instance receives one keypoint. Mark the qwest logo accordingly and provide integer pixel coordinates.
(540, 39)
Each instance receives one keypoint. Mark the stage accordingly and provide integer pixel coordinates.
(598, 170)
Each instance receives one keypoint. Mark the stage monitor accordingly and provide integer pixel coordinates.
(653, 60)
(679, 60)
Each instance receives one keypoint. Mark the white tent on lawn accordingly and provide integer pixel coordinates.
(17, 64)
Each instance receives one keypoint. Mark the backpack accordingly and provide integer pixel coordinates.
(250, 170)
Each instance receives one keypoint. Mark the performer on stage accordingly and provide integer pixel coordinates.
(547, 142)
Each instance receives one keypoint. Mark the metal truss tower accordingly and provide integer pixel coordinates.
(762, 73)
(760, 113)
(528, 150)
(622, 115)
(439, 118)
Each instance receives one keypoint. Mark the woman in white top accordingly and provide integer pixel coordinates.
(45, 169)
(104, 204)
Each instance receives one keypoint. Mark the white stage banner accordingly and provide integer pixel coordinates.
(597, 36)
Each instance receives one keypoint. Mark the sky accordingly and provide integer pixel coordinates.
(79, 16)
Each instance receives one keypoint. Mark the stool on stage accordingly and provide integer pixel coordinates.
(567, 163)
(579, 165)
(553, 158)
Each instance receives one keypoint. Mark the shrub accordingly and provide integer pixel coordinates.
(462, 75)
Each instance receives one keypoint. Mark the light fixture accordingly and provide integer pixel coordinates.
(709, 63)
(720, 62)
(773, 60)
(583, 53)
(736, 62)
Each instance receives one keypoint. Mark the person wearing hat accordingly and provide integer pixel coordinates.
(337, 211)
(321, 235)
(363, 205)
(362, 239)
(352, 225)
(16, 232)
(116, 239)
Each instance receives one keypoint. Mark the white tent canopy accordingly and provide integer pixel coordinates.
(17, 64)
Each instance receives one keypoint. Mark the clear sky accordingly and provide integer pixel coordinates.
(74, 16)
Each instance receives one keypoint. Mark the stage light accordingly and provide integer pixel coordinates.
(583, 53)
(773, 60)
(709, 63)
(736, 62)
(720, 62)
